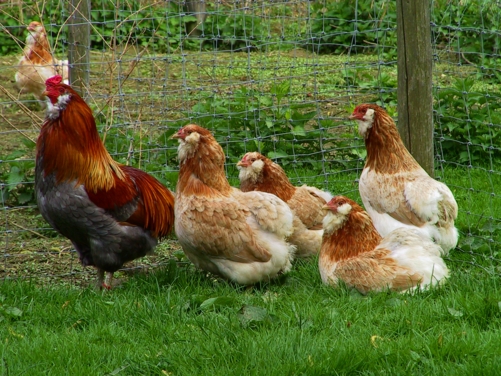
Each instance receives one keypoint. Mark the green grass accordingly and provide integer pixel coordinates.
(158, 325)
(180, 321)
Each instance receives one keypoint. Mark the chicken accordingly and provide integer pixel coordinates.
(258, 173)
(37, 64)
(354, 252)
(240, 236)
(111, 213)
(395, 190)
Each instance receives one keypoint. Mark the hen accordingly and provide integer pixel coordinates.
(259, 173)
(111, 213)
(395, 190)
(38, 64)
(240, 236)
(354, 252)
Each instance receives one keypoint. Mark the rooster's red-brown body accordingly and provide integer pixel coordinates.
(112, 213)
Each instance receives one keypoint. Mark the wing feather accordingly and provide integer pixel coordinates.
(375, 270)
(219, 226)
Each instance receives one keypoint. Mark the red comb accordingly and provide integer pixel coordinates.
(54, 80)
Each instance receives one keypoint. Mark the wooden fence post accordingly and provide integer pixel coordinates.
(79, 45)
(198, 9)
(415, 99)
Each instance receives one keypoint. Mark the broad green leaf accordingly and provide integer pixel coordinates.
(249, 315)
(267, 101)
(490, 226)
(298, 130)
(13, 311)
(15, 177)
(15, 154)
(24, 197)
(394, 302)
(415, 356)
(455, 312)
(220, 301)
(277, 154)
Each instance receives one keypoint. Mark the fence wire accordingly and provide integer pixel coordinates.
(280, 77)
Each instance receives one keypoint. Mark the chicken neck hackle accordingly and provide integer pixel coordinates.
(201, 162)
(386, 152)
(348, 230)
(262, 174)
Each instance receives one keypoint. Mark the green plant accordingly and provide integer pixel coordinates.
(356, 27)
(266, 122)
(470, 29)
(17, 176)
(156, 160)
(234, 31)
(467, 123)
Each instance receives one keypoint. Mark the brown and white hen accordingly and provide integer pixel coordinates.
(240, 236)
(395, 190)
(37, 64)
(259, 173)
(354, 252)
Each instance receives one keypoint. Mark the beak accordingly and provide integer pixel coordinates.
(352, 117)
(243, 163)
(178, 134)
(45, 93)
(325, 207)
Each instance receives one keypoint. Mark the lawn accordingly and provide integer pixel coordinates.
(179, 321)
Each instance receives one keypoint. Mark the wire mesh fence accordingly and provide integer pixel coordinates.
(279, 77)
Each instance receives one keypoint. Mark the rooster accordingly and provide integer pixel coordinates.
(37, 64)
(259, 173)
(111, 213)
(354, 252)
(395, 190)
(240, 236)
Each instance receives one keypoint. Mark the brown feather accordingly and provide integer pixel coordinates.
(40, 52)
(376, 271)
(386, 153)
(272, 179)
(71, 148)
(352, 247)
(358, 235)
(210, 172)
(306, 204)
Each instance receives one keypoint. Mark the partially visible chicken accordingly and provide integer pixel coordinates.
(354, 252)
(394, 188)
(239, 236)
(37, 64)
(259, 173)
(111, 213)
